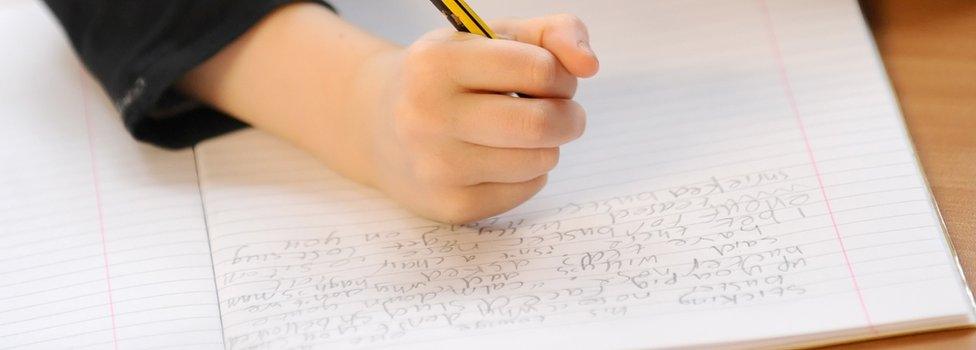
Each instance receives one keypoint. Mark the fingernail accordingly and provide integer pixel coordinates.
(585, 45)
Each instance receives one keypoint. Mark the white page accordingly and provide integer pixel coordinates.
(745, 180)
(102, 240)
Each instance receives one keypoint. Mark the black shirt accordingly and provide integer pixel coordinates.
(139, 49)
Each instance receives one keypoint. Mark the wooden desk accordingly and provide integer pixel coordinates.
(929, 48)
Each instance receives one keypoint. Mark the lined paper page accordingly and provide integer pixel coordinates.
(102, 240)
(746, 181)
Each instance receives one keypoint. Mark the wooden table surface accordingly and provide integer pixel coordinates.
(929, 49)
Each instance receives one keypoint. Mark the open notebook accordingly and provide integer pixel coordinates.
(746, 181)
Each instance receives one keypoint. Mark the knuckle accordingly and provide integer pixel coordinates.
(423, 60)
(413, 122)
(419, 94)
(407, 123)
(408, 136)
(459, 207)
(434, 171)
(423, 51)
(427, 172)
(544, 70)
(536, 122)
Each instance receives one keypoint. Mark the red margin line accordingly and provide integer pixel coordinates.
(788, 90)
(89, 128)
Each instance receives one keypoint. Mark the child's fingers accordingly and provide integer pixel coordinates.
(564, 35)
(508, 66)
(505, 121)
(469, 164)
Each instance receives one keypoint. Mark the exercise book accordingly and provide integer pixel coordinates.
(746, 180)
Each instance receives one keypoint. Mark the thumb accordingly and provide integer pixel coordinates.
(564, 35)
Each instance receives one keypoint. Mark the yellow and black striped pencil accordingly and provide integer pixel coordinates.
(463, 17)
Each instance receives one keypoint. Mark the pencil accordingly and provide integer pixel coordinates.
(463, 17)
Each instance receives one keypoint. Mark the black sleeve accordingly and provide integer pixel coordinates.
(139, 49)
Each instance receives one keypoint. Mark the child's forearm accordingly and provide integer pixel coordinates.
(299, 74)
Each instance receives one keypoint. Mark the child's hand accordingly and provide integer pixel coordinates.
(451, 143)
(432, 125)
